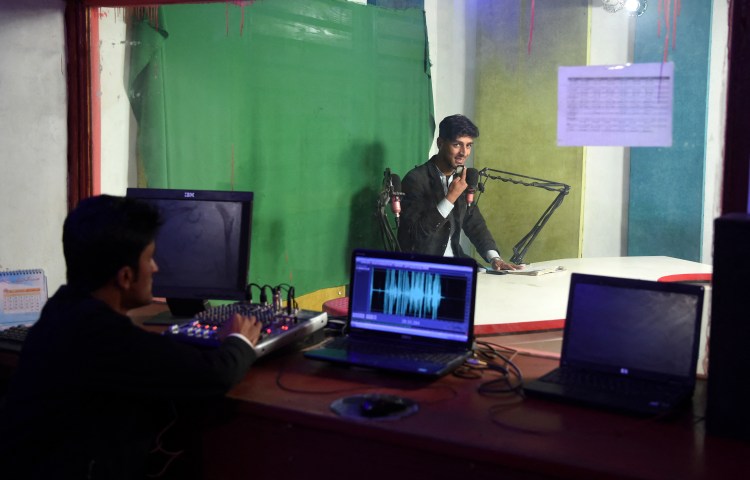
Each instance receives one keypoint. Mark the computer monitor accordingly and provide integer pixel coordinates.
(202, 248)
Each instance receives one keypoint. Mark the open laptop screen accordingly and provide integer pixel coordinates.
(632, 327)
(426, 298)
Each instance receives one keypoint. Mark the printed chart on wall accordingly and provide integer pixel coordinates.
(23, 293)
(626, 105)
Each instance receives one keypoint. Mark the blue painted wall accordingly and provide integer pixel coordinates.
(666, 184)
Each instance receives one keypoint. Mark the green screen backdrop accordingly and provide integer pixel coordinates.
(303, 102)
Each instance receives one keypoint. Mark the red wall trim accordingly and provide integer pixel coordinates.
(79, 139)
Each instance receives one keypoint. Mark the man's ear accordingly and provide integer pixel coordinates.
(439, 143)
(125, 277)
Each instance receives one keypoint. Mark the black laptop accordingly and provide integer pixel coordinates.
(629, 345)
(407, 313)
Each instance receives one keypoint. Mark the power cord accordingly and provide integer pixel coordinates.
(159, 448)
(492, 357)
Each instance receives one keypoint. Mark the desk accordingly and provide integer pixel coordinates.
(516, 302)
(276, 423)
(290, 432)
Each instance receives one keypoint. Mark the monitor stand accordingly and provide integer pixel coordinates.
(180, 310)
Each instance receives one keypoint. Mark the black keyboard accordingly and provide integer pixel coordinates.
(391, 351)
(12, 338)
(622, 385)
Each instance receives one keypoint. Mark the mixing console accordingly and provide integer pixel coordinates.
(280, 327)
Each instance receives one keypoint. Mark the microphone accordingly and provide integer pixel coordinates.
(394, 189)
(472, 178)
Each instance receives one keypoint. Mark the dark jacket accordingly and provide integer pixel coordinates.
(423, 229)
(92, 390)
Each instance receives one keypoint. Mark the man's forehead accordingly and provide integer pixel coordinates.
(465, 140)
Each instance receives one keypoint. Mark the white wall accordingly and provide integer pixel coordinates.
(119, 170)
(606, 169)
(451, 30)
(33, 136)
(716, 121)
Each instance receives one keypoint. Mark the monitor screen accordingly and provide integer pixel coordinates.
(203, 245)
(412, 295)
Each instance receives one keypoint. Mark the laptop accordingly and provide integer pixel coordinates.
(628, 345)
(408, 313)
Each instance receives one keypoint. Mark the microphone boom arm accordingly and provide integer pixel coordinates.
(562, 189)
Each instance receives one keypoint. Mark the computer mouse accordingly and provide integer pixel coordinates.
(383, 406)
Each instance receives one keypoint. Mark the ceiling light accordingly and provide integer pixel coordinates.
(635, 7)
(612, 6)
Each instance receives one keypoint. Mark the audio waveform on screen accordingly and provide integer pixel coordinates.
(415, 294)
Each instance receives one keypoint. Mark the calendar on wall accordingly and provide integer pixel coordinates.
(23, 293)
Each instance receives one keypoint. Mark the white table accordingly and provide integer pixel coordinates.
(513, 298)
(516, 303)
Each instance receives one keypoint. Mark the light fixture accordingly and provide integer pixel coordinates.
(612, 6)
(635, 8)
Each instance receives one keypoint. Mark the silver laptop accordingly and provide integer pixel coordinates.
(407, 313)
(629, 345)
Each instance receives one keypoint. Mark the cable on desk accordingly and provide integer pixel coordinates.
(494, 358)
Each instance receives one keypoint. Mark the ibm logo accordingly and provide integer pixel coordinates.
(189, 195)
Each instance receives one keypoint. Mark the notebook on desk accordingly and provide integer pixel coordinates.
(407, 313)
(629, 345)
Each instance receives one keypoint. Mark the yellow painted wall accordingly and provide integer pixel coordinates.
(517, 119)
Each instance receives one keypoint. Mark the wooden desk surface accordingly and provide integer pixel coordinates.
(282, 425)
(277, 423)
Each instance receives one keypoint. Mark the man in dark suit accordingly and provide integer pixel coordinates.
(92, 390)
(434, 209)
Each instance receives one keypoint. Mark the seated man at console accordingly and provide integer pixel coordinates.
(93, 391)
(434, 209)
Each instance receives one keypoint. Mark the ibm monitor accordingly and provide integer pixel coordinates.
(202, 248)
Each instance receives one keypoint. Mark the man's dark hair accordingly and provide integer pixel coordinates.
(102, 235)
(456, 126)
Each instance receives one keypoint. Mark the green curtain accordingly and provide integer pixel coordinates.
(303, 102)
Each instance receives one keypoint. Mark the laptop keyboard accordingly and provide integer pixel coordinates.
(12, 338)
(391, 351)
(626, 386)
